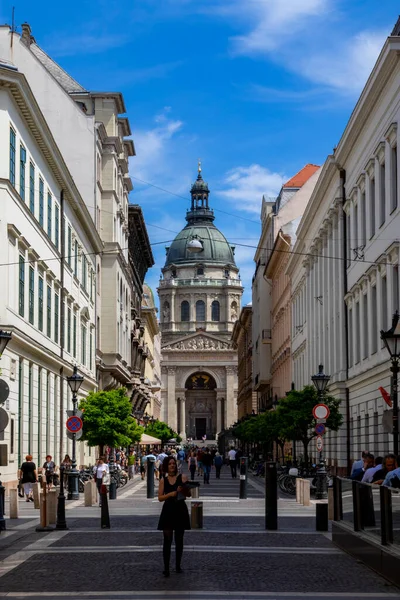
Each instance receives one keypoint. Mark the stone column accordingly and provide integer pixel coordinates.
(183, 418)
(173, 316)
(172, 420)
(218, 425)
(230, 409)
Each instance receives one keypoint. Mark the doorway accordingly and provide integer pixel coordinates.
(201, 427)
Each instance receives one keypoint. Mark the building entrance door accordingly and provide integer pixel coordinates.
(201, 427)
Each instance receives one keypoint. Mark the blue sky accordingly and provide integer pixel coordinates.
(255, 88)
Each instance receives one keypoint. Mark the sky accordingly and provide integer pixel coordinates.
(256, 89)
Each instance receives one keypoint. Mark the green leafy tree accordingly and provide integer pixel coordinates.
(160, 430)
(107, 419)
(295, 418)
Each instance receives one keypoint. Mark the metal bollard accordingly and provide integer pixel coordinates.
(14, 504)
(150, 477)
(243, 478)
(2, 507)
(113, 485)
(271, 496)
(105, 515)
(195, 492)
(196, 513)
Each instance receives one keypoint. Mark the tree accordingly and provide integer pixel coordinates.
(295, 418)
(160, 430)
(107, 419)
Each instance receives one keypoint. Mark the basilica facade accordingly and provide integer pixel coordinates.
(200, 297)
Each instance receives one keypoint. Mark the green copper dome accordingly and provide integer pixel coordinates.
(216, 248)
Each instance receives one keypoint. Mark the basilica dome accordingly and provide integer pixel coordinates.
(215, 247)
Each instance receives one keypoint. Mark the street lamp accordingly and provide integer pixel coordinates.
(146, 419)
(74, 381)
(320, 380)
(391, 339)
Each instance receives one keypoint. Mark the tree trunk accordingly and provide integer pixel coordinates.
(305, 445)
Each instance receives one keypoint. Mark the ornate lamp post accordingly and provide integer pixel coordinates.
(320, 380)
(391, 339)
(146, 419)
(74, 382)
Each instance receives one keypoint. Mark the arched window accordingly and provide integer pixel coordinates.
(200, 310)
(215, 311)
(185, 311)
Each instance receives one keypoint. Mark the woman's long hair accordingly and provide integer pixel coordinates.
(165, 464)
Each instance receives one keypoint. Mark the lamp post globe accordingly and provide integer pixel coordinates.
(74, 382)
(320, 381)
(391, 339)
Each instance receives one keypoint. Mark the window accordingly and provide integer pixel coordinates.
(363, 220)
(185, 311)
(395, 288)
(91, 351)
(41, 202)
(92, 285)
(350, 338)
(83, 342)
(374, 321)
(49, 214)
(215, 310)
(200, 271)
(365, 325)
(382, 199)
(12, 156)
(69, 315)
(69, 257)
(56, 226)
(371, 207)
(21, 285)
(76, 259)
(31, 295)
(32, 188)
(40, 304)
(173, 273)
(357, 334)
(56, 312)
(393, 179)
(74, 337)
(200, 310)
(348, 241)
(49, 310)
(22, 163)
(226, 273)
(384, 308)
(84, 272)
(12, 436)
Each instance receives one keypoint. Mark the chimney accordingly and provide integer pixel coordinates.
(26, 34)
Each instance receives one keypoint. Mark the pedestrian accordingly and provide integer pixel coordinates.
(174, 515)
(100, 469)
(143, 461)
(358, 464)
(28, 476)
(180, 458)
(218, 462)
(67, 466)
(368, 463)
(200, 462)
(207, 463)
(49, 468)
(131, 464)
(369, 474)
(232, 461)
(192, 464)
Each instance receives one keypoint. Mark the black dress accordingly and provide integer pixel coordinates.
(174, 514)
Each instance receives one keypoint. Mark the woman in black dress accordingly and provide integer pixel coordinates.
(174, 515)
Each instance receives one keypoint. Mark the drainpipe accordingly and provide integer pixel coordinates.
(62, 323)
(346, 319)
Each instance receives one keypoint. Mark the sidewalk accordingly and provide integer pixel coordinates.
(232, 556)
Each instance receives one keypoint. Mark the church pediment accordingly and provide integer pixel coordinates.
(198, 342)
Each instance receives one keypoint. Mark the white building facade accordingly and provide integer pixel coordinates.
(48, 300)
(346, 288)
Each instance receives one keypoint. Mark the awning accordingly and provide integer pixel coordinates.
(148, 439)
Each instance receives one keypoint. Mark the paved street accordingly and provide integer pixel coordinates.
(232, 556)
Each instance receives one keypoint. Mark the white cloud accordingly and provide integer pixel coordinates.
(84, 43)
(245, 186)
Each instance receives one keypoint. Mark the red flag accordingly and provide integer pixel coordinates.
(386, 396)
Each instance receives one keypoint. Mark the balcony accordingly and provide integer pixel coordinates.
(203, 282)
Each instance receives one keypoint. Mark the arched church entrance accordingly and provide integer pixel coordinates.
(200, 406)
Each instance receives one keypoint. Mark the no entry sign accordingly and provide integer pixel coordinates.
(74, 424)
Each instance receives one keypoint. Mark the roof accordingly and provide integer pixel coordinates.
(66, 81)
(216, 247)
(298, 180)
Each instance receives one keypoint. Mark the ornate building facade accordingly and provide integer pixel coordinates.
(200, 294)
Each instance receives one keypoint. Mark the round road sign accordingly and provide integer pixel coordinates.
(321, 411)
(4, 391)
(320, 443)
(320, 428)
(74, 424)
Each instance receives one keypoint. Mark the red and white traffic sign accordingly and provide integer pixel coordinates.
(321, 411)
(74, 424)
(319, 443)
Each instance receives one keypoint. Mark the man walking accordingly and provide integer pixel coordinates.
(207, 462)
(232, 461)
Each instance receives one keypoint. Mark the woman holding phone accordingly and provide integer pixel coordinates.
(174, 515)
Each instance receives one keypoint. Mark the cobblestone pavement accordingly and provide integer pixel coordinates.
(233, 556)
